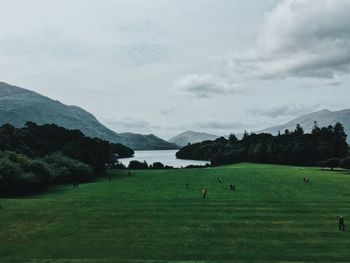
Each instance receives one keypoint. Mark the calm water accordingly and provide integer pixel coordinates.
(166, 157)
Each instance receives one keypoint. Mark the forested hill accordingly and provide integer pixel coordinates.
(323, 118)
(293, 147)
(18, 105)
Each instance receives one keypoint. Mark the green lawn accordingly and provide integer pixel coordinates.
(151, 216)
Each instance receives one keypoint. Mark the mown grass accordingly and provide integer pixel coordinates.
(151, 216)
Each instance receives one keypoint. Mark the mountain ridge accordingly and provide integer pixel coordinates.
(323, 117)
(19, 105)
(189, 136)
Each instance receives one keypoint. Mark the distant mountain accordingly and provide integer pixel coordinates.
(18, 105)
(192, 137)
(323, 118)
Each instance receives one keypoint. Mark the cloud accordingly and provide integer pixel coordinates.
(142, 42)
(274, 111)
(167, 111)
(224, 125)
(299, 38)
(130, 124)
(206, 85)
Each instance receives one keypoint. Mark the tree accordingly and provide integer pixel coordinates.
(331, 163)
(296, 148)
(315, 128)
(136, 165)
(298, 130)
(345, 163)
(158, 165)
(339, 137)
(232, 138)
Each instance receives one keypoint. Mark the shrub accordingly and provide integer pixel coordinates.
(117, 165)
(20, 175)
(67, 170)
(345, 163)
(136, 165)
(158, 165)
(331, 163)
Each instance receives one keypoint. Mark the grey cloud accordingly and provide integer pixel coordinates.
(224, 125)
(142, 42)
(274, 111)
(206, 85)
(167, 111)
(299, 38)
(129, 124)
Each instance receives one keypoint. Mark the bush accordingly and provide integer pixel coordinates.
(158, 165)
(331, 163)
(345, 163)
(136, 165)
(229, 158)
(68, 170)
(117, 165)
(20, 175)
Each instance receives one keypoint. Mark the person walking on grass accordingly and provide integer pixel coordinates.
(205, 193)
(341, 223)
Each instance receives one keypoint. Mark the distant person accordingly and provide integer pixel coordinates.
(219, 179)
(205, 193)
(187, 186)
(231, 187)
(341, 223)
(304, 179)
(307, 180)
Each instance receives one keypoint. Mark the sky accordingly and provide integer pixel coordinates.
(167, 66)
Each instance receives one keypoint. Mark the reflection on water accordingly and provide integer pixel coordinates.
(166, 157)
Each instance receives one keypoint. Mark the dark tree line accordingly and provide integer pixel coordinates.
(291, 147)
(35, 156)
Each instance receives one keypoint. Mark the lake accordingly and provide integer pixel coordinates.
(166, 157)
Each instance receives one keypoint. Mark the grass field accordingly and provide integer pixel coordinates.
(151, 216)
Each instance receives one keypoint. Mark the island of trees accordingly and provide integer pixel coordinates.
(34, 157)
(325, 146)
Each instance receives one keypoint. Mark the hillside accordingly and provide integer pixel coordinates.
(324, 118)
(18, 105)
(192, 137)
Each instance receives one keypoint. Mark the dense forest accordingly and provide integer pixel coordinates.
(322, 145)
(34, 157)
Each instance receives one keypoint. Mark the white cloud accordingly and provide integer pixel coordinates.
(277, 110)
(206, 85)
(299, 38)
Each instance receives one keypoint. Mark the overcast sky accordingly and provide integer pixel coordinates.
(166, 66)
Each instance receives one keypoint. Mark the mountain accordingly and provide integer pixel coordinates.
(323, 118)
(18, 105)
(192, 137)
